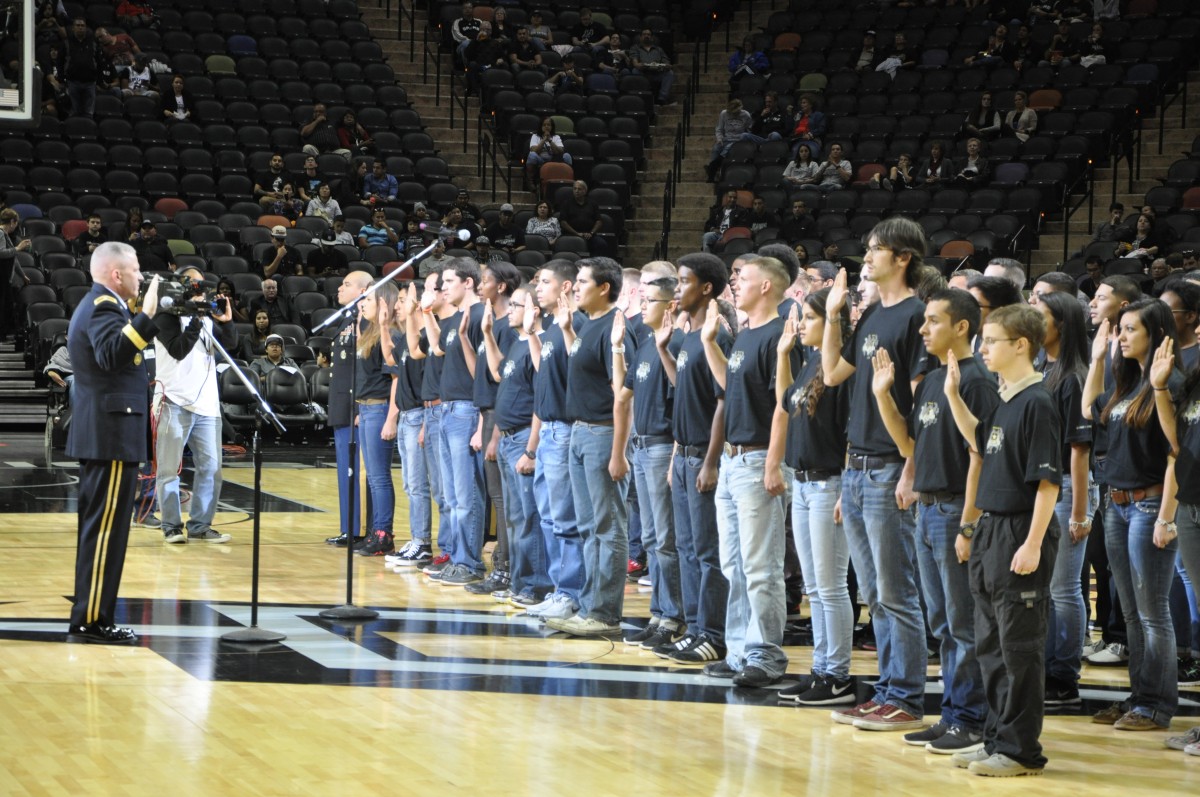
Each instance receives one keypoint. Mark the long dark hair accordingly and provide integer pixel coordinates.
(816, 386)
(1133, 378)
(1072, 340)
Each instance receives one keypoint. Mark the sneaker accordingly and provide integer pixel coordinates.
(828, 692)
(956, 740)
(888, 718)
(926, 735)
(175, 537)
(635, 569)
(665, 651)
(645, 581)
(1110, 715)
(637, 636)
(458, 576)
(419, 555)
(379, 543)
(1114, 655)
(1061, 695)
(965, 760)
(522, 600)
(788, 694)
(1192, 749)
(754, 677)
(848, 716)
(1095, 646)
(662, 636)
(719, 669)
(1133, 721)
(583, 626)
(210, 536)
(437, 564)
(151, 521)
(497, 581)
(1189, 672)
(392, 558)
(1180, 742)
(999, 765)
(561, 608)
(702, 651)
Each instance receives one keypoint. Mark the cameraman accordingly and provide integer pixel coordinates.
(189, 412)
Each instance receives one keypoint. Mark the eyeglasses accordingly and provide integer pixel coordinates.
(994, 341)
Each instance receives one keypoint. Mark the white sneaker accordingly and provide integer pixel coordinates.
(537, 609)
(394, 556)
(1113, 655)
(562, 608)
(1093, 647)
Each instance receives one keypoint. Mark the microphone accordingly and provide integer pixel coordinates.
(166, 302)
(442, 231)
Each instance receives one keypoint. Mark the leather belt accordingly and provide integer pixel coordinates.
(646, 440)
(1123, 497)
(736, 451)
(929, 499)
(694, 451)
(370, 402)
(513, 431)
(434, 403)
(816, 475)
(858, 462)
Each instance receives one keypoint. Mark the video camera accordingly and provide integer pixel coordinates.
(181, 295)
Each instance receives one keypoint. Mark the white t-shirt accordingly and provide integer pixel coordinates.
(190, 383)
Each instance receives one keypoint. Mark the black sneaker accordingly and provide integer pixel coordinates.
(417, 555)
(637, 636)
(805, 682)
(956, 740)
(1058, 694)
(702, 651)
(926, 735)
(754, 677)
(496, 581)
(719, 669)
(665, 651)
(379, 543)
(662, 636)
(829, 692)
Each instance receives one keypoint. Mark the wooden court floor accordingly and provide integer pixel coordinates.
(446, 694)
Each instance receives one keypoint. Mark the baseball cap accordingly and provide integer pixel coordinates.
(328, 237)
(274, 339)
(147, 225)
(483, 239)
(506, 208)
(279, 231)
(870, 33)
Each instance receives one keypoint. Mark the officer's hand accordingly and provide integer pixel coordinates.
(150, 300)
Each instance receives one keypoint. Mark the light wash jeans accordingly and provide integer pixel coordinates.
(556, 508)
(603, 515)
(526, 548)
(462, 482)
(414, 470)
(650, 468)
(177, 428)
(433, 466)
(824, 559)
(377, 457)
(1068, 612)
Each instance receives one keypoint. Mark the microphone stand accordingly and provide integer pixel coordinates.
(263, 410)
(348, 611)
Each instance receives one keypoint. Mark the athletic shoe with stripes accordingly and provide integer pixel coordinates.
(847, 716)
(888, 718)
(702, 651)
(828, 692)
(395, 556)
(665, 651)
(662, 636)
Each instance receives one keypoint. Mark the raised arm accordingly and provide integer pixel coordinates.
(834, 368)
(1093, 386)
(884, 378)
(963, 418)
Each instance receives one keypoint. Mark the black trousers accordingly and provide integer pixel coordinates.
(495, 492)
(1109, 617)
(105, 511)
(1011, 615)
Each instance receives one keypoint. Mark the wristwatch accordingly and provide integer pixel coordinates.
(966, 530)
(1169, 525)
(530, 454)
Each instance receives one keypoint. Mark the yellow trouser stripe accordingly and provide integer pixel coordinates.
(106, 521)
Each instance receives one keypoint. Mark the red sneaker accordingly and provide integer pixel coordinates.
(848, 716)
(889, 718)
(439, 562)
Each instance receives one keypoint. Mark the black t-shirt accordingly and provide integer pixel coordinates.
(589, 371)
(550, 385)
(1020, 447)
(895, 329)
(653, 396)
(816, 441)
(1075, 428)
(1189, 356)
(582, 218)
(942, 453)
(343, 358)
(410, 373)
(696, 391)
(271, 182)
(457, 382)
(514, 398)
(484, 394)
(1136, 457)
(374, 376)
(750, 384)
(431, 383)
(506, 238)
(589, 34)
(1187, 466)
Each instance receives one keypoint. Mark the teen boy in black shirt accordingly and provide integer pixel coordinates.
(930, 437)
(1012, 548)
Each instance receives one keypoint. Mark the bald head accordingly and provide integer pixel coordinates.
(115, 266)
(359, 279)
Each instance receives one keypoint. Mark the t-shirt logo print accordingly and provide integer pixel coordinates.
(1192, 413)
(681, 361)
(643, 372)
(799, 397)
(929, 414)
(482, 350)
(547, 350)
(1118, 412)
(509, 367)
(870, 344)
(403, 356)
(451, 337)
(735, 360)
(995, 441)
(575, 347)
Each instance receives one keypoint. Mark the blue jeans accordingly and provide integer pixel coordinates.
(377, 457)
(177, 428)
(824, 559)
(462, 481)
(526, 548)
(760, 139)
(600, 506)
(349, 511)
(650, 467)
(750, 521)
(883, 549)
(1068, 612)
(433, 467)
(946, 585)
(704, 589)
(414, 470)
(1128, 535)
(1188, 519)
(82, 94)
(556, 508)
(1183, 609)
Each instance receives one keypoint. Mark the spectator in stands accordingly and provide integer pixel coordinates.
(412, 241)
(268, 186)
(323, 205)
(581, 217)
(835, 173)
(505, 235)
(808, 126)
(539, 32)
(1021, 121)
(272, 358)
(1189, 260)
(900, 177)
(342, 236)
(108, 78)
(48, 25)
(308, 180)
(1145, 243)
(974, 170)
(868, 57)
(568, 80)
(177, 105)
(12, 278)
(349, 190)
(319, 135)
(652, 62)
(798, 224)
(86, 242)
(327, 260)
(503, 31)
(470, 212)
(545, 146)
(379, 187)
(138, 80)
(1110, 230)
(984, 121)
(1022, 52)
(121, 49)
(612, 59)
(1160, 272)
(731, 124)
(290, 206)
(132, 14)
(770, 123)
(761, 217)
(378, 232)
(54, 80)
(133, 225)
(437, 262)
(1094, 268)
(899, 56)
(227, 289)
(255, 344)
(281, 260)
(1060, 44)
(802, 170)
(455, 220)
(992, 53)
(481, 55)
(721, 216)
(464, 29)
(1006, 268)
(83, 59)
(543, 223)
(1092, 51)
(484, 253)
(154, 254)
(524, 54)
(277, 306)
(747, 61)
(588, 34)
(353, 138)
(936, 170)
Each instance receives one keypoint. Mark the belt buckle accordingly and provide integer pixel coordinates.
(730, 450)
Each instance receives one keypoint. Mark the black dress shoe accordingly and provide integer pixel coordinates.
(98, 634)
(754, 677)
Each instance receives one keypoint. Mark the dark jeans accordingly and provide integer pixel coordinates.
(495, 492)
(704, 587)
(1109, 617)
(1012, 613)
